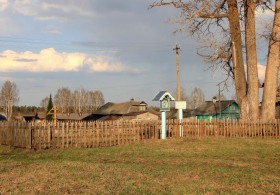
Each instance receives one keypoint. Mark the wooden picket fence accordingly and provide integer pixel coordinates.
(102, 134)
(76, 134)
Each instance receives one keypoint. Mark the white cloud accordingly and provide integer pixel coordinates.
(49, 60)
(261, 71)
(102, 64)
(3, 4)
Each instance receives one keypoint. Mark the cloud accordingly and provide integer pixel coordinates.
(261, 71)
(103, 64)
(52, 10)
(3, 4)
(49, 60)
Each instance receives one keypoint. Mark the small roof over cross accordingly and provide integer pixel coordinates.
(163, 95)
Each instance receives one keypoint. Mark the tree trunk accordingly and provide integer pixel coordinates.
(251, 59)
(272, 67)
(238, 63)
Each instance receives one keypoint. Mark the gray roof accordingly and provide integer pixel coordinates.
(59, 116)
(163, 94)
(72, 116)
(119, 108)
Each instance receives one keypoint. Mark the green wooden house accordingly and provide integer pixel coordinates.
(226, 109)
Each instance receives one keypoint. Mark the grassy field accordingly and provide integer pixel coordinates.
(188, 166)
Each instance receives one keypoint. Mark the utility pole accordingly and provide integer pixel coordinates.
(220, 107)
(177, 48)
(180, 111)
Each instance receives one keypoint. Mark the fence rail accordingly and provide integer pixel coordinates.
(96, 134)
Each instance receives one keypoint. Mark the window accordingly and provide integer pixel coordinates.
(231, 107)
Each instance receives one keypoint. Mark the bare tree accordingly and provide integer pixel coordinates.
(77, 101)
(80, 101)
(97, 99)
(221, 23)
(62, 100)
(196, 99)
(44, 103)
(9, 97)
(182, 94)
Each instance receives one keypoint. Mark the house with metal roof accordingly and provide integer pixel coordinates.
(224, 109)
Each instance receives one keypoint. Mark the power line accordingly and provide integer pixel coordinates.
(27, 43)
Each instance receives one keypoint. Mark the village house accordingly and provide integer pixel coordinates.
(130, 110)
(226, 109)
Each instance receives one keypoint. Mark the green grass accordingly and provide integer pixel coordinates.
(188, 166)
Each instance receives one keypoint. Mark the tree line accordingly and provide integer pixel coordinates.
(79, 101)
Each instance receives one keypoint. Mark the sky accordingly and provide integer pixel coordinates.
(119, 47)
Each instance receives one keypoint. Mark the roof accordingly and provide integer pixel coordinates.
(209, 108)
(110, 118)
(125, 116)
(142, 112)
(172, 114)
(59, 116)
(72, 116)
(2, 117)
(41, 115)
(119, 108)
(163, 94)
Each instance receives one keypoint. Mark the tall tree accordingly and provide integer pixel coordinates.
(221, 23)
(44, 103)
(62, 99)
(98, 99)
(80, 101)
(196, 98)
(9, 97)
(49, 115)
(272, 67)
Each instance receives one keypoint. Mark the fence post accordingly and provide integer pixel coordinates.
(62, 134)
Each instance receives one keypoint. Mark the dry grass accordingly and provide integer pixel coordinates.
(189, 166)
